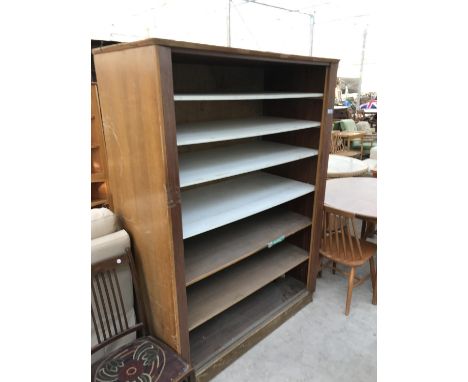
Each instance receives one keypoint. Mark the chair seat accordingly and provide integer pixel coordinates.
(146, 359)
(368, 250)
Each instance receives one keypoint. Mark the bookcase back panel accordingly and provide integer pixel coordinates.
(195, 78)
(299, 78)
(301, 170)
(307, 108)
(220, 110)
(309, 138)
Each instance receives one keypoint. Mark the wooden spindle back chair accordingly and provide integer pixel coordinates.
(146, 358)
(340, 244)
(107, 306)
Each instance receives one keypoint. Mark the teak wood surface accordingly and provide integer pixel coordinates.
(143, 173)
(137, 84)
(100, 191)
(340, 244)
(204, 49)
(226, 333)
(215, 294)
(221, 248)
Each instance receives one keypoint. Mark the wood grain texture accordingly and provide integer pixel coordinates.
(304, 79)
(211, 296)
(196, 111)
(341, 245)
(146, 193)
(206, 50)
(213, 78)
(223, 247)
(211, 340)
(100, 193)
(140, 124)
(321, 175)
(173, 195)
(251, 337)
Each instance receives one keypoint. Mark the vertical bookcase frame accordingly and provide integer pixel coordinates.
(148, 90)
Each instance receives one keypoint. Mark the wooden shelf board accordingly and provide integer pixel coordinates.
(96, 146)
(225, 130)
(212, 339)
(242, 96)
(209, 253)
(98, 202)
(223, 162)
(213, 295)
(208, 207)
(98, 177)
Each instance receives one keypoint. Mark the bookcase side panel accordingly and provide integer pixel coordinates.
(321, 173)
(132, 109)
(173, 194)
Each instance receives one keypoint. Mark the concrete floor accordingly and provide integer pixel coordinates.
(319, 343)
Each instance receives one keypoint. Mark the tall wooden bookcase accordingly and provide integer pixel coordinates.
(100, 195)
(217, 164)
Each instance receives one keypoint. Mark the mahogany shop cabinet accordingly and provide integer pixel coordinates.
(217, 161)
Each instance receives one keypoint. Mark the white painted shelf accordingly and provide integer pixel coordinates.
(225, 130)
(222, 162)
(208, 207)
(242, 96)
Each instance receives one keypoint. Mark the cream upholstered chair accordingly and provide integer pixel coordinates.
(108, 241)
(117, 353)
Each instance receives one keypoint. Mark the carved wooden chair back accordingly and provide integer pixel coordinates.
(339, 236)
(107, 306)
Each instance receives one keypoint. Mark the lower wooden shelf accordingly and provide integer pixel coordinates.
(215, 294)
(98, 202)
(216, 343)
(98, 177)
(215, 250)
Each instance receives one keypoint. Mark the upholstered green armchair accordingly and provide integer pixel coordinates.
(367, 142)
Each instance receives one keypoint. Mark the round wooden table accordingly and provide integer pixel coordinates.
(355, 195)
(340, 166)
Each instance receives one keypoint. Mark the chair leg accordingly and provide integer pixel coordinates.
(334, 267)
(373, 280)
(350, 290)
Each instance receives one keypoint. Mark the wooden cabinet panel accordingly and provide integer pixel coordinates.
(246, 135)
